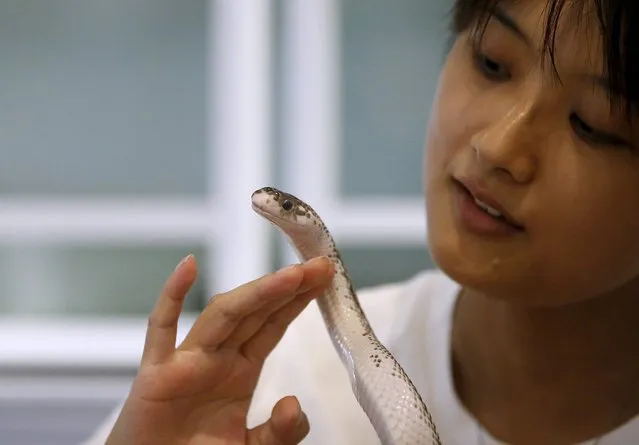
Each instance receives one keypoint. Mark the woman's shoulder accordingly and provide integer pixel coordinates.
(305, 363)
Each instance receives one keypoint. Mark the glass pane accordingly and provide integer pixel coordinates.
(94, 280)
(103, 97)
(390, 59)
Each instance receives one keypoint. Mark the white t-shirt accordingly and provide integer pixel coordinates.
(413, 319)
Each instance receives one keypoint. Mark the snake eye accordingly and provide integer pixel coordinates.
(287, 205)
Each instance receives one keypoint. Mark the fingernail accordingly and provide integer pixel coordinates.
(287, 268)
(300, 419)
(183, 260)
(317, 258)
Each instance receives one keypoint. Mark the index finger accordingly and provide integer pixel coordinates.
(162, 322)
(227, 310)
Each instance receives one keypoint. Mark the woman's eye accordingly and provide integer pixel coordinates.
(490, 68)
(592, 135)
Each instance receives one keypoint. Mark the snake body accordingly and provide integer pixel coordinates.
(381, 387)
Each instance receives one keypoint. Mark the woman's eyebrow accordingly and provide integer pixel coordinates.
(499, 14)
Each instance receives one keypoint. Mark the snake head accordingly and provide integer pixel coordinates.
(283, 209)
(303, 226)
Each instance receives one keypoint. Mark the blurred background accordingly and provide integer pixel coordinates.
(133, 133)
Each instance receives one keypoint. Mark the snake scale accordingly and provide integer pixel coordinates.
(383, 390)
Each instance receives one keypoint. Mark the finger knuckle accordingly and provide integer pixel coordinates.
(154, 321)
(231, 314)
(213, 298)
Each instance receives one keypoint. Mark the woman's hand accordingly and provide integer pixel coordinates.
(200, 392)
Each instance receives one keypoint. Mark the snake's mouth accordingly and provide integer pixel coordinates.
(258, 209)
(264, 213)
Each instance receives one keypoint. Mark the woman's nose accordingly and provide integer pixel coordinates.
(509, 143)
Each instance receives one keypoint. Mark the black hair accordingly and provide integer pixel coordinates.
(619, 25)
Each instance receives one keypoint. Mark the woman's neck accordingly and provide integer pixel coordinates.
(548, 375)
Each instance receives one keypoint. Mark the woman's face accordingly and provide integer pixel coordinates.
(547, 151)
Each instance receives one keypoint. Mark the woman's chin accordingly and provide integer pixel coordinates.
(513, 285)
(482, 271)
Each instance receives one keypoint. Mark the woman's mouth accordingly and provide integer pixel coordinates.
(481, 215)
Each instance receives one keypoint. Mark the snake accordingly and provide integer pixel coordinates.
(381, 387)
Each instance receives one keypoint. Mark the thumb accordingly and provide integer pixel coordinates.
(288, 425)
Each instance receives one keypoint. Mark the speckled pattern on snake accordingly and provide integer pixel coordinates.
(386, 394)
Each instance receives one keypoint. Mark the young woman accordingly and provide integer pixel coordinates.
(528, 332)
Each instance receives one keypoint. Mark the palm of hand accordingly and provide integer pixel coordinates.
(200, 392)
